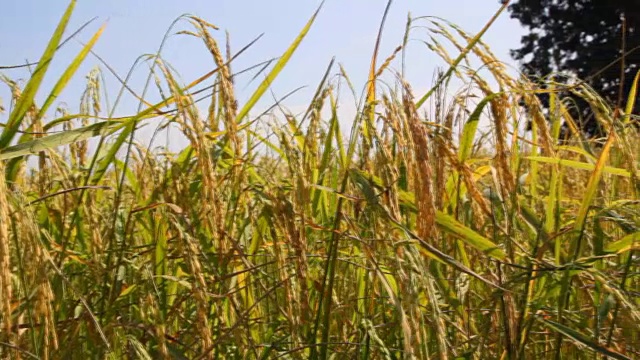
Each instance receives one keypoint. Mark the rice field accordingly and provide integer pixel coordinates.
(418, 234)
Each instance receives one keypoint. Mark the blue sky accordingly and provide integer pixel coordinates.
(345, 29)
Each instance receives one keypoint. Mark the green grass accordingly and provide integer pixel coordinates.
(419, 235)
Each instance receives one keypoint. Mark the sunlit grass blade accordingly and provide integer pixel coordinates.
(470, 237)
(371, 83)
(27, 98)
(592, 185)
(277, 68)
(551, 206)
(626, 243)
(70, 72)
(104, 163)
(579, 165)
(631, 99)
(63, 138)
(470, 127)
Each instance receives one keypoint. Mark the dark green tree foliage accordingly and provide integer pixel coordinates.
(584, 38)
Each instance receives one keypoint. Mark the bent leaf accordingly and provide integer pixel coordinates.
(64, 138)
(627, 243)
(583, 339)
(470, 127)
(469, 236)
(579, 165)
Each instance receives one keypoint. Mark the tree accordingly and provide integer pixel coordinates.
(585, 38)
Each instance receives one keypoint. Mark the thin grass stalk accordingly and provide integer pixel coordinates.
(6, 286)
(462, 56)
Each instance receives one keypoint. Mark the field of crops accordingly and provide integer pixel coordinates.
(417, 235)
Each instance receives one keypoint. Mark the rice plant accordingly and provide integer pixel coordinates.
(421, 234)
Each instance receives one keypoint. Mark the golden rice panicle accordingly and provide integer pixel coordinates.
(390, 164)
(190, 253)
(36, 265)
(227, 100)
(154, 317)
(423, 173)
(499, 110)
(193, 128)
